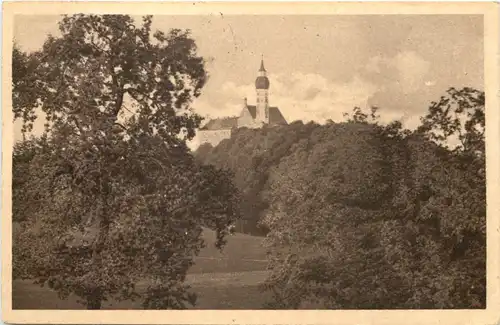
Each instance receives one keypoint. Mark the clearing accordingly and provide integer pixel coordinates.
(223, 280)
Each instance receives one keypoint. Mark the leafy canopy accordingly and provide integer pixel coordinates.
(371, 216)
(459, 118)
(110, 195)
(363, 214)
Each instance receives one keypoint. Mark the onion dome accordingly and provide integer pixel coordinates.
(262, 82)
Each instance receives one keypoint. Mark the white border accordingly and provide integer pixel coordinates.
(490, 315)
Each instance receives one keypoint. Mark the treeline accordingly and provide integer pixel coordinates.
(251, 155)
(364, 215)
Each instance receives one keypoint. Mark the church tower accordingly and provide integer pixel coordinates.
(262, 88)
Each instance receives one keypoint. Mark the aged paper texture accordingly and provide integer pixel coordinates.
(344, 156)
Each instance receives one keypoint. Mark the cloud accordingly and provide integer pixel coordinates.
(413, 70)
(400, 85)
(373, 65)
(300, 96)
(405, 86)
(406, 72)
(312, 97)
(395, 84)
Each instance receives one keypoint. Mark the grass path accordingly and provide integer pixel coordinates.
(234, 290)
(242, 253)
(252, 278)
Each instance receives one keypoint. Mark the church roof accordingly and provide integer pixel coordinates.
(253, 110)
(262, 65)
(226, 123)
(221, 123)
(275, 116)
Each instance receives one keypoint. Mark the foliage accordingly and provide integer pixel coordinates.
(391, 129)
(363, 214)
(24, 81)
(110, 194)
(358, 116)
(250, 154)
(323, 224)
(359, 220)
(459, 117)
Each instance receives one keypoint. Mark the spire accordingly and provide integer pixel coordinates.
(262, 82)
(262, 64)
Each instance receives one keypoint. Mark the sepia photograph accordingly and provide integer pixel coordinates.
(211, 157)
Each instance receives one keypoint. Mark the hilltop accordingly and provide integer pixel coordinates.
(360, 215)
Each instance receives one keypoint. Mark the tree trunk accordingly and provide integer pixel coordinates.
(95, 297)
(94, 302)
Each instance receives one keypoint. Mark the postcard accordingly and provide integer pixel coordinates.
(250, 163)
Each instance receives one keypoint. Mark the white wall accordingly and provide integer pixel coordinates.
(212, 136)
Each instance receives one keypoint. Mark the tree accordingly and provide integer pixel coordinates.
(392, 129)
(329, 198)
(457, 123)
(24, 80)
(457, 120)
(371, 216)
(357, 115)
(250, 154)
(119, 197)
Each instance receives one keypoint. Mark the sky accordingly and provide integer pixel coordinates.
(321, 66)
